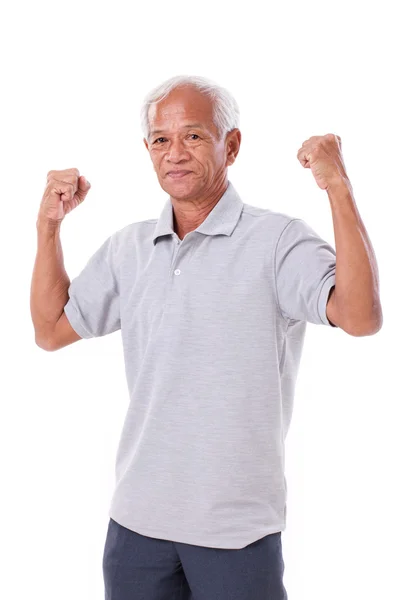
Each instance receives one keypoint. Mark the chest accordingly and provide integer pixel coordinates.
(203, 281)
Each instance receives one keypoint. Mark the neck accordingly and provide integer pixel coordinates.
(189, 213)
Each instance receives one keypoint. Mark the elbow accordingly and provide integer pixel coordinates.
(365, 327)
(356, 321)
(44, 344)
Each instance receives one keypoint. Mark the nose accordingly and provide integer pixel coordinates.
(177, 151)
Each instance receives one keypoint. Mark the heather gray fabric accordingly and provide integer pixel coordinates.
(212, 330)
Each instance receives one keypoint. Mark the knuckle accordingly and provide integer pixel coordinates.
(73, 172)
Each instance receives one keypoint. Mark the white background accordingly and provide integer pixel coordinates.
(74, 75)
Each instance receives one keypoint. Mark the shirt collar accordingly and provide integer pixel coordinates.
(222, 219)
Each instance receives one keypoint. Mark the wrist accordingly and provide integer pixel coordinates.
(339, 185)
(340, 190)
(46, 225)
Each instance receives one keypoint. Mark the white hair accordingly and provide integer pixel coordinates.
(226, 110)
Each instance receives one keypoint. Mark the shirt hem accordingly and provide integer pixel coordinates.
(323, 299)
(235, 541)
(74, 320)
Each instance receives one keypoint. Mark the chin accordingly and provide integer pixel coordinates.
(178, 188)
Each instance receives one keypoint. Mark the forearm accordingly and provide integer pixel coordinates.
(357, 278)
(50, 282)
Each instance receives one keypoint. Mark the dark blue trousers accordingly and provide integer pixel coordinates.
(137, 567)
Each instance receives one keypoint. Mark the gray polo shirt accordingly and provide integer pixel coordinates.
(212, 330)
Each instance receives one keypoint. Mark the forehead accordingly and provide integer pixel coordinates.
(183, 104)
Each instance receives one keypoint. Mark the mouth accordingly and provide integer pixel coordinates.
(177, 174)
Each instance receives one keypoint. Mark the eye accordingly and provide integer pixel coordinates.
(160, 138)
(195, 134)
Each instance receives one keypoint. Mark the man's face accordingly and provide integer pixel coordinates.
(183, 137)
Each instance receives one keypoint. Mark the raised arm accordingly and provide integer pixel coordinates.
(50, 282)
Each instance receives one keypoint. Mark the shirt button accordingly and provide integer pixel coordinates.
(177, 272)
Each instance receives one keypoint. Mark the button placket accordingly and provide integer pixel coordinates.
(175, 255)
(174, 271)
(178, 248)
(176, 287)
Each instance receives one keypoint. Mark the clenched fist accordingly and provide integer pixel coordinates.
(64, 191)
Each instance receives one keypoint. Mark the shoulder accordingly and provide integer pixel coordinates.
(272, 221)
(132, 231)
(128, 237)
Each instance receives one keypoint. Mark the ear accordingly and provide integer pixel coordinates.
(146, 143)
(233, 140)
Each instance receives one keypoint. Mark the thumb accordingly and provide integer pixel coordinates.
(83, 184)
(83, 187)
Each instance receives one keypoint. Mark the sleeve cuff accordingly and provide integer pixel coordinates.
(75, 320)
(323, 299)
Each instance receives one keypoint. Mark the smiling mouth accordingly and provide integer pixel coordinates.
(178, 174)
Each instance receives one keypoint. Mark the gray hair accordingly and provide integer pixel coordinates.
(226, 109)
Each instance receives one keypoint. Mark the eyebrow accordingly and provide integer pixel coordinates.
(190, 125)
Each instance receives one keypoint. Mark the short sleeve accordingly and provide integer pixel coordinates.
(305, 267)
(93, 308)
